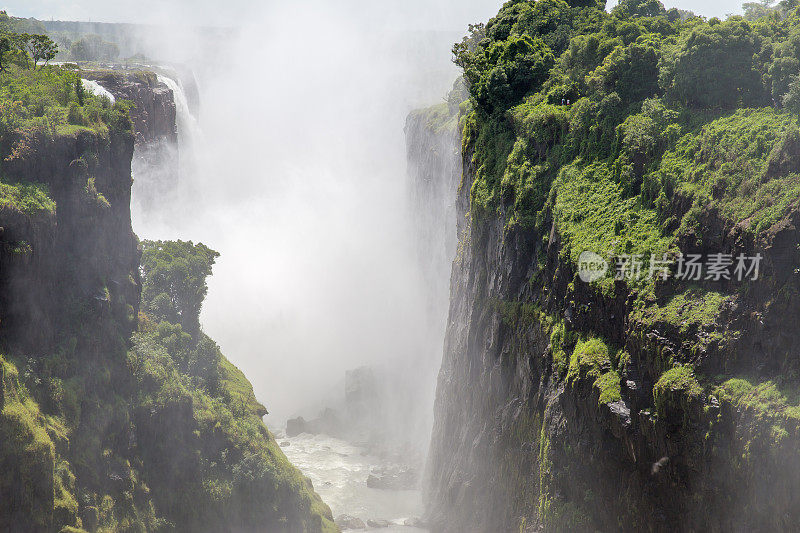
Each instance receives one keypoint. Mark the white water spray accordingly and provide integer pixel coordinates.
(188, 126)
(98, 90)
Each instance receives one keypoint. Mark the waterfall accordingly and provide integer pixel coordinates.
(163, 169)
(188, 125)
(98, 90)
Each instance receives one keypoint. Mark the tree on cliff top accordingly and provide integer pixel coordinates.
(42, 48)
(174, 281)
(36, 47)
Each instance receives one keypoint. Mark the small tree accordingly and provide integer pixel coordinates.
(80, 92)
(174, 281)
(22, 43)
(5, 46)
(41, 47)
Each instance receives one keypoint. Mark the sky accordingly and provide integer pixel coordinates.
(450, 15)
(447, 14)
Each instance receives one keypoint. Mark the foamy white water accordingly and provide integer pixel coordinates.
(188, 127)
(98, 90)
(339, 471)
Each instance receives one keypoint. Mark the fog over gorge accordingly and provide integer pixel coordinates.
(524, 266)
(298, 176)
(301, 186)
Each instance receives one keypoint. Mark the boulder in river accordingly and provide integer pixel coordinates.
(328, 423)
(346, 522)
(295, 426)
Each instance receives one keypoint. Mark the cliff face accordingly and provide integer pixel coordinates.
(83, 252)
(105, 424)
(153, 113)
(563, 407)
(650, 394)
(157, 158)
(69, 266)
(433, 172)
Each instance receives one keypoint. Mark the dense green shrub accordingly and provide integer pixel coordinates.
(630, 71)
(174, 280)
(714, 67)
(676, 390)
(502, 74)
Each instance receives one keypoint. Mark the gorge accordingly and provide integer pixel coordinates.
(564, 298)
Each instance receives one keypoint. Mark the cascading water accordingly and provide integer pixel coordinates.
(98, 90)
(188, 126)
(164, 170)
(302, 187)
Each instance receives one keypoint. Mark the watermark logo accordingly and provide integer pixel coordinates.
(591, 267)
(690, 267)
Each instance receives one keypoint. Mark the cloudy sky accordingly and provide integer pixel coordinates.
(451, 14)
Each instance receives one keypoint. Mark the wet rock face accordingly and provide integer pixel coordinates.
(84, 255)
(154, 114)
(346, 522)
(520, 446)
(328, 423)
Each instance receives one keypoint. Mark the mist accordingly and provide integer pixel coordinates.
(298, 178)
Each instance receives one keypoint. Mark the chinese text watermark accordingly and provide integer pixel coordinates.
(683, 267)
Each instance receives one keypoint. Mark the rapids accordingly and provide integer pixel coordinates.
(339, 471)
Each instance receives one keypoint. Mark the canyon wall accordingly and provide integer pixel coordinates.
(563, 407)
(105, 425)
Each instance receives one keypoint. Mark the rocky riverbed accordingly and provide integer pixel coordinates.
(341, 473)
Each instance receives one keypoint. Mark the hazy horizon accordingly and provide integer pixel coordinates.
(450, 15)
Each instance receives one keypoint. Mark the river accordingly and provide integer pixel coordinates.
(339, 471)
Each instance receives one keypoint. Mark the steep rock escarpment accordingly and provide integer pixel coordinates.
(649, 395)
(157, 157)
(82, 252)
(529, 433)
(153, 113)
(109, 419)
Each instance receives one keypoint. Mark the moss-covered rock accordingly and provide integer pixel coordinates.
(111, 420)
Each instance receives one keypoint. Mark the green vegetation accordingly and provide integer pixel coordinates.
(24, 434)
(101, 430)
(561, 341)
(25, 47)
(742, 164)
(771, 413)
(649, 128)
(687, 311)
(664, 109)
(591, 363)
(28, 198)
(44, 102)
(36, 108)
(174, 281)
(765, 400)
(676, 390)
(590, 359)
(609, 386)
(158, 435)
(175, 369)
(646, 132)
(594, 214)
